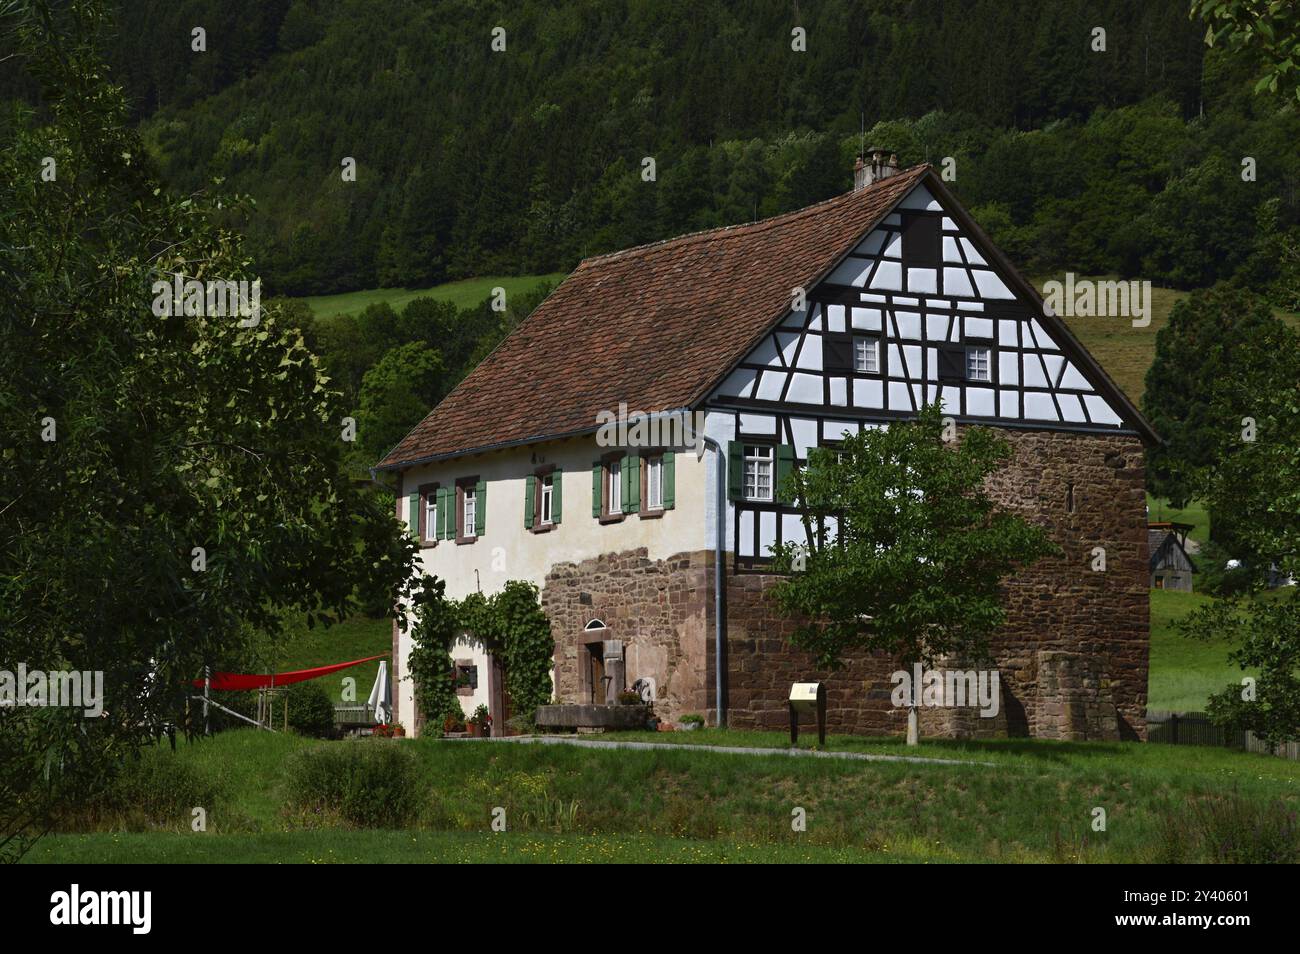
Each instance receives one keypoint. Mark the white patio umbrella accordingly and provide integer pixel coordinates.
(381, 695)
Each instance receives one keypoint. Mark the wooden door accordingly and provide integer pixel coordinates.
(597, 674)
(498, 700)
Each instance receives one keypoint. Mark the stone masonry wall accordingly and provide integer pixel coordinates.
(660, 609)
(1073, 654)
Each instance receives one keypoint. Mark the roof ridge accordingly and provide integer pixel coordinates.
(758, 225)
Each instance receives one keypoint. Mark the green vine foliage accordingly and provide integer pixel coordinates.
(429, 665)
(510, 625)
(525, 644)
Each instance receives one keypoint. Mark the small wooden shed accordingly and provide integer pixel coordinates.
(1171, 567)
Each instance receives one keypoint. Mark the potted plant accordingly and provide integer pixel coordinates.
(690, 722)
(629, 698)
(453, 725)
(481, 722)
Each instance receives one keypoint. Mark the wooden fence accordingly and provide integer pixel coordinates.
(1195, 728)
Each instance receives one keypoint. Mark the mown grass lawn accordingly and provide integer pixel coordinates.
(462, 294)
(1184, 672)
(1034, 803)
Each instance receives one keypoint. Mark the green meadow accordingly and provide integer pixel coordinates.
(1008, 800)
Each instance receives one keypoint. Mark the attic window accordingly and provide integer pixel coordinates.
(921, 240)
(977, 365)
(866, 355)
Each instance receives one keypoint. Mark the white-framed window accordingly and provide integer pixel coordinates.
(614, 474)
(758, 472)
(548, 490)
(654, 483)
(978, 367)
(471, 506)
(866, 355)
(431, 514)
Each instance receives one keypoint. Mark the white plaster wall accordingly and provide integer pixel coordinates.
(508, 551)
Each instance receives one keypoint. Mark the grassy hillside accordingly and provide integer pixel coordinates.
(462, 294)
(354, 638)
(1124, 351)
(1032, 801)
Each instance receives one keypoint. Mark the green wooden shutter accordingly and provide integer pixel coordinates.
(668, 489)
(556, 496)
(631, 483)
(597, 471)
(784, 467)
(530, 500)
(440, 515)
(413, 514)
(735, 467)
(480, 508)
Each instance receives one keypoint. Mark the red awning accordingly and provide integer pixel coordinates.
(231, 681)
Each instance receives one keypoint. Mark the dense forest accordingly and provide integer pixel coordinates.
(473, 161)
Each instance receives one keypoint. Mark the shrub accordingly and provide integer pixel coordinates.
(358, 783)
(157, 790)
(693, 718)
(311, 711)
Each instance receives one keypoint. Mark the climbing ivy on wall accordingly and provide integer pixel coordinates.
(525, 644)
(430, 664)
(511, 626)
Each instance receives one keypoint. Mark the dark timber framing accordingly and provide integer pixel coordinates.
(905, 364)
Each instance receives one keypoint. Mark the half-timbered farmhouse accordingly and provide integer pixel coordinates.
(776, 337)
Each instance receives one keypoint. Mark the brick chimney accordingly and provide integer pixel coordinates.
(879, 167)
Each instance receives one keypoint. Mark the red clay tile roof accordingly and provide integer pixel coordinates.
(655, 326)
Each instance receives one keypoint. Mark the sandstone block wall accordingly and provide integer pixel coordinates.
(1073, 654)
(660, 609)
